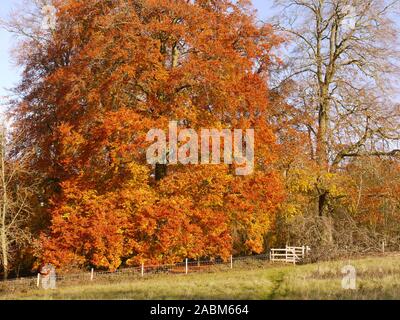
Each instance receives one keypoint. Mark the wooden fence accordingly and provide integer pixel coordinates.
(289, 254)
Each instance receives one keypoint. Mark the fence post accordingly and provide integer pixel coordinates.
(383, 246)
(38, 280)
(294, 256)
(142, 269)
(91, 274)
(303, 249)
(186, 266)
(231, 262)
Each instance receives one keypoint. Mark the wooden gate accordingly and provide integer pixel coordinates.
(289, 254)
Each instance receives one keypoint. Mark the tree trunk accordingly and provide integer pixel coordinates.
(322, 204)
(160, 171)
(4, 251)
(4, 242)
(322, 146)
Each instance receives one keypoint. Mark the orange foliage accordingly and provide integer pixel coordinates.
(114, 70)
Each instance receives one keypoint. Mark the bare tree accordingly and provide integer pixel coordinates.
(17, 187)
(343, 59)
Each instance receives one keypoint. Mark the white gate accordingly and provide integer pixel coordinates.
(289, 254)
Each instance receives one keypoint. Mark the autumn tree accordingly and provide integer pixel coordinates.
(91, 90)
(340, 66)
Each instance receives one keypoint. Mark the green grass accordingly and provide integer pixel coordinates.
(377, 278)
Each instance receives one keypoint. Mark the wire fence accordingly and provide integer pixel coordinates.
(132, 273)
(291, 255)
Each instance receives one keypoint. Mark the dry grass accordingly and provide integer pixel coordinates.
(377, 278)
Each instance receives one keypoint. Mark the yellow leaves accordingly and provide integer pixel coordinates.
(309, 181)
(301, 181)
(290, 210)
(333, 184)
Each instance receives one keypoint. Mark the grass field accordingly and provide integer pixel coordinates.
(377, 278)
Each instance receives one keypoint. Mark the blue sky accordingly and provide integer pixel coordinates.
(9, 74)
